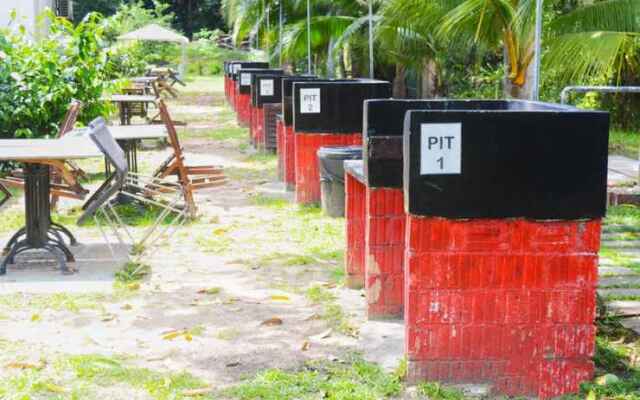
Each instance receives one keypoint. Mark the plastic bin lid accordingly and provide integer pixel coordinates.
(340, 153)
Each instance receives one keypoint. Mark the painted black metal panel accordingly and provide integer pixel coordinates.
(233, 69)
(287, 95)
(245, 77)
(334, 106)
(517, 159)
(383, 129)
(266, 89)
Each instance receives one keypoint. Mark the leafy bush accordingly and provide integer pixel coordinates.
(205, 57)
(38, 79)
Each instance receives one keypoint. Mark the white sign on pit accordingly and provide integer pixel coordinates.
(441, 149)
(310, 101)
(266, 87)
(236, 68)
(245, 79)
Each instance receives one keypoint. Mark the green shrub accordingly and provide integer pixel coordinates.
(38, 79)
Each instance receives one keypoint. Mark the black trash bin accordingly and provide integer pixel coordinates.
(331, 160)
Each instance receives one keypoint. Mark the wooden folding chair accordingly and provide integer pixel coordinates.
(6, 195)
(64, 176)
(191, 178)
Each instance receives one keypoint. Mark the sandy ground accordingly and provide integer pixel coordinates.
(231, 341)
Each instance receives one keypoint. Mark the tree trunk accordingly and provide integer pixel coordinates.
(429, 75)
(514, 91)
(400, 82)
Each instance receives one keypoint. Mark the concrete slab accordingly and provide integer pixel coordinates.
(36, 273)
(382, 342)
(276, 190)
(619, 292)
(613, 270)
(624, 307)
(622, 169)
(621, 244)
(632, 323)
(621, 280)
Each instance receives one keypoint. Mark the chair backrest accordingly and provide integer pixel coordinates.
(70, 118)
(99, 133)
(171, 130)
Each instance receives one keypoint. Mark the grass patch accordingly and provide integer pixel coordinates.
(620, 259)
(617, 350)
(624, 143)
(435, 391)
(332, 311)
(622, 219)
(87, 376)
(215, 244)
(353, 379)
(54, 302)
(227, 334)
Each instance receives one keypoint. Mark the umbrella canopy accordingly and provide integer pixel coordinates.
(154, 33)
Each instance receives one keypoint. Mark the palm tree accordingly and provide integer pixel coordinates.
(599, 39)
(589, 41)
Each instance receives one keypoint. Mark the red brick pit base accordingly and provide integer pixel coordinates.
(507, 302)
(384, 252)
(243, 103)
(280, 147)
(289, 158)
(307, 174)
(355, 206)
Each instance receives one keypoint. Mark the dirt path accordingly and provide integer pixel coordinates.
(241, 290)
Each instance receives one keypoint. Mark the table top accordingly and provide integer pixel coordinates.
(130, 132)
(142, 79)
(130, 98)
(48, 149)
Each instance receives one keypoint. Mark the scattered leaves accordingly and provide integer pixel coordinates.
(275, 321)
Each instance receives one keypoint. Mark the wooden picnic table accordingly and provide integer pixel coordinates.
(129, 138)
(38, 156)
(125, 103)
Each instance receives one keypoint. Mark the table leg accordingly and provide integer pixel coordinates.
(39, 233)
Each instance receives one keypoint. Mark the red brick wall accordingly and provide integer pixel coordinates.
(355, 206)
(289, 158)
(306, 161)
(280, 149)
(243, 103)
(509, 302)
(384, 252)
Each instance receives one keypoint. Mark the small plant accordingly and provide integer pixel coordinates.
(435, 391)
(132, 272)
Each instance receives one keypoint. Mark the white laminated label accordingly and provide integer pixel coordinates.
(310, 101)
(266, 87)
(236, 68)
(245, 79)
(441, 149)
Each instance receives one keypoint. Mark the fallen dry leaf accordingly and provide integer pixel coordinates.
(23, 365)
(313, 317)
(279, 297)
(35, 318)
(54, 388)
(197, 392)
(275, 321)
(211, 291)
(322, 335)
(233, 364)
(172, 335)
(305, 346)
(126, 307)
